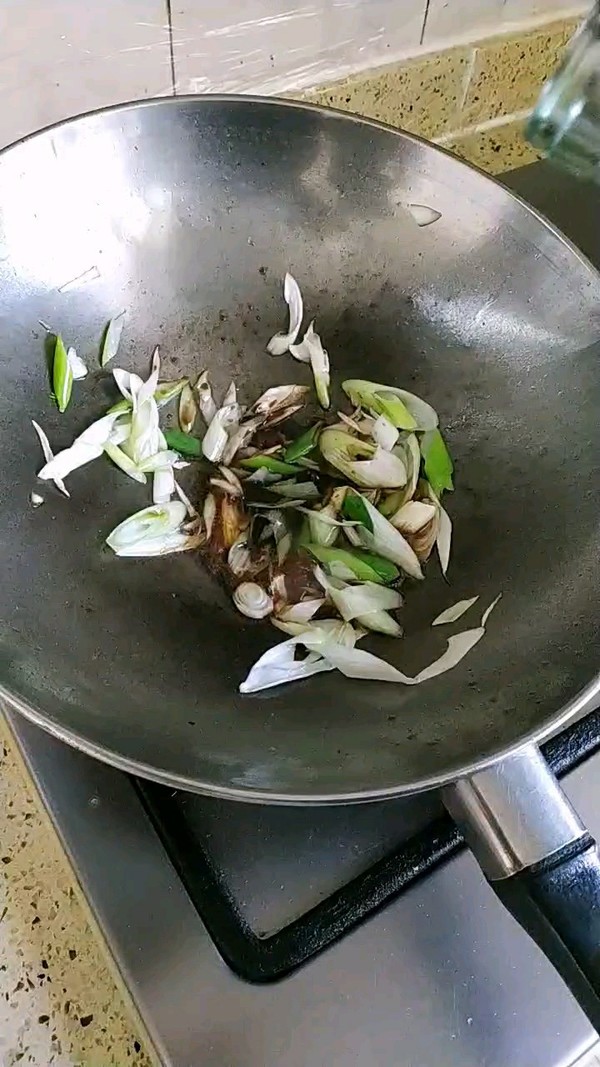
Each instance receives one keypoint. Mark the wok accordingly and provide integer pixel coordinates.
(187, 212)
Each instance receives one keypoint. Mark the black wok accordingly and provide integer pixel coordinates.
(187, 213)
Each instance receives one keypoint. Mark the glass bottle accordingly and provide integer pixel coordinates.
(565, 124)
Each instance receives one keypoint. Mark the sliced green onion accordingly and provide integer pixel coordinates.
(269, 463)
(455, 612)
(303, 445)
(112, 339)
(355, 508)
(367, 465)
(184, 443)
(310, 350)
(389, 542)
(295, 490)
(188, 409)
(392, 408)
(411, 413)
(293, 298)
(62, 375)
(78, 367)
(166, 391)
(124, 462)
(153, 531)
(437, 462)
(364, 566)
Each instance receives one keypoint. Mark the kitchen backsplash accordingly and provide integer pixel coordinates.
(473, 99)
(410, 62)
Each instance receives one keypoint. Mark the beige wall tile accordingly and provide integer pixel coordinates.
(61, 57)
(447, 19)
(422, 96)
(508, 72)
(495, 150)
(450, 18)
(266, 46)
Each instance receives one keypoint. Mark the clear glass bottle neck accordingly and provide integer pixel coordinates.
(565, 124)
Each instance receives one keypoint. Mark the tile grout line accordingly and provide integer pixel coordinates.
(483, 127)
(171, 48)
(467, 78)
(424, 26)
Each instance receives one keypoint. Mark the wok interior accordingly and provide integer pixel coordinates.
(188, 213)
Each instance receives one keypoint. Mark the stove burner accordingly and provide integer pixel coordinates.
(267, 959)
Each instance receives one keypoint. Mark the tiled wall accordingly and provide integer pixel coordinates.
(62, 57)
(472, 99)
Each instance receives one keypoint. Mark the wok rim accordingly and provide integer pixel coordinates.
(584, 701)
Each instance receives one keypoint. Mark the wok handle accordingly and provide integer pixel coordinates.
(540, 860)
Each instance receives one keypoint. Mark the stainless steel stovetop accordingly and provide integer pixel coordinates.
(441, 977)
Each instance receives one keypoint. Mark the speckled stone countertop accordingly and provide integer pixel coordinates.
(60, 999)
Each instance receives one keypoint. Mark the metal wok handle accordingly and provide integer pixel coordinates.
(540, 860)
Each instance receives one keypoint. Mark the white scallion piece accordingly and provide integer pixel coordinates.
(166, 457)
(444, 539)
(279, 666)
(301, 612)
(280, 343)
(145, 438)
(191, 510)
(413, 516)
(385, 433)
(239, 438)
(423, 215)
(112, 339)
(124, 462)
(458, 646)
(49, 456)
(488, 611)
(224, 424)
(206, 403)
(389, 542)
(354, 600)
(284, 547)
(78, 367)
(455, 612)
(163, 485)
(153, 531)
(310, 350)
(356, 663)
(230, 396)
(35, 499)
(252, 600)
(85, 448)
(188, 409)
(365, 464)
(209, 513)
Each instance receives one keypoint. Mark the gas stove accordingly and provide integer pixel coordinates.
(256, 936)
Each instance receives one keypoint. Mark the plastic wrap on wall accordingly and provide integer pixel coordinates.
(270, 46)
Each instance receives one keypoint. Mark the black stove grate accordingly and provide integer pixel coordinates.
(266, 959)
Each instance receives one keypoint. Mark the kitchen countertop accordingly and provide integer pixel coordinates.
(61, 1002)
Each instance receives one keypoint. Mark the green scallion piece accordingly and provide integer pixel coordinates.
(303, 445)
(437, 462)
(62, 375)
(365, 566)
(269, 463)
(184, 443)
